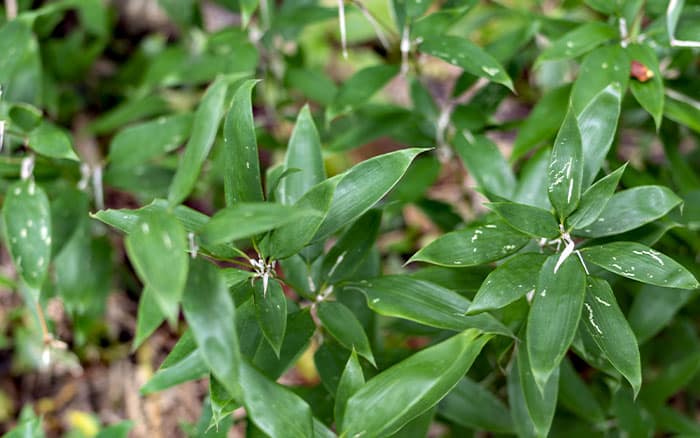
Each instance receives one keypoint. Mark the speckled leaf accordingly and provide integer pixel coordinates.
(602, 67)
(641, 263)
(397, 395)
(609, 329)
(565, 171)
(157, 247)
(271, 312)
(27, 219)
(426, 303)
(630, 209)
(343, 325)
(472, 245)
(508, 282)
(554, 316)
(463, 53)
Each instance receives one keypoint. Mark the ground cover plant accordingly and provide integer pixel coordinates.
(358, 218)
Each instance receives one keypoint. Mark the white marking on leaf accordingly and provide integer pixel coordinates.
(601, 301)
(651, 253)
(491, 71)
(590, 318)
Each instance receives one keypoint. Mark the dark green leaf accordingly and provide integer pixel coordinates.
(641, 263)
(351, 380)
(540, 398)
(594, 200)
(650, 93)
(474, 245)
(351, 250)
(604, 66)
(471, 405)
(359, 88)
(543, 121)
(583, 39)
(577, 396)
(396, 396)
(271, 312)
(342, 324)
(653, 308)
(530, 220)
(554, 316)
(565, 171)
(486, 164)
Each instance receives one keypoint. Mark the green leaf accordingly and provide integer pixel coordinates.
(157, 247)
(519, 413)
(351, 380)
(27, 221)
(630, 209)
(576, 396)
(352, 249)
(343, 325)
(139, 143)
(304, 153)
(241, 161)
(149, 317)
(397, 395)
(594, 200)
(508, 282)
(540, 398)
(248, 8)
(473, 245)
(49, 140)
(359, 88)
(467, 55)
(209, 311)
(597, 124)
(649, 94)
(362, 186)
(673, 14)
(654, 308)
(472, 406)
(271, 312)
(243, 220)
(426, 303)
(553, 318)
(543, 121)
(184, 363)
(290, 417)
(532, 186)
(604, 66)
(292, 237)
(583, 39)
(204, 128)
(129, 111)
(641, 263)
(609, 329)
(530, 220)
(486, 164)
(682, 109)
(300, 329)
(565, 171)
(674, 378)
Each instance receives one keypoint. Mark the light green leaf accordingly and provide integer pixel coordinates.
(467, 55)
(359, 88)
(204, 128)
(351, 380)
(583, 39)
(609, 329)
(486, 164)
(543, 121)
(243, 220)
(129, 111)
(472, 406)
(292, 237)
(149, 317)
(604, 66)
(508, 282)
(290, 417)
(241, 161)
(184, 363)
(397, 395)
(473, 245)
(304, 153)
(426, 303)
(271, 312)
(565, 171)
(594, 200)
(362, 186)
(27, 220)
(649, 94)
(138, 144)
(554, 316)
(210, 312)
(630, 209)
(343, 325)
(248, 8)
(49, 140)
(157, 247)
(597, 124)
(638, 262)
(530, 220)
